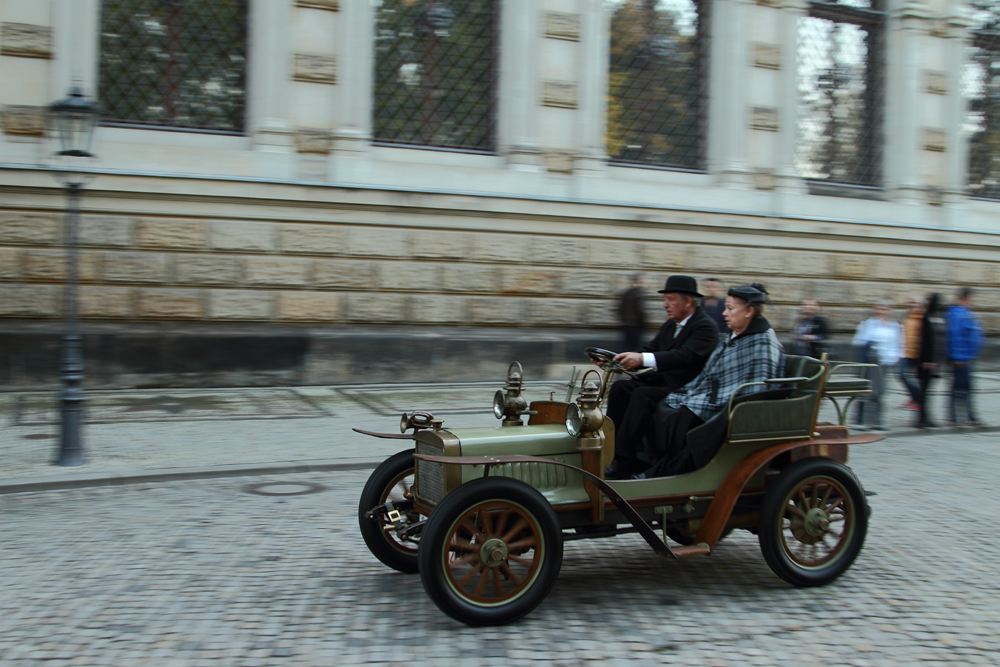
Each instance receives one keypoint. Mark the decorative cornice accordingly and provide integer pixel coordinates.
(560, 94)
(330, 5)
(23, 120)
(766, 56)
(27, 41)
(559, 25)
(764, 118)
(315, 68)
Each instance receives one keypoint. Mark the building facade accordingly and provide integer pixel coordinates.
(499, 164)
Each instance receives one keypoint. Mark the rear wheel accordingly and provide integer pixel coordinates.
(391, 481)
(491, 551)
(813, 522)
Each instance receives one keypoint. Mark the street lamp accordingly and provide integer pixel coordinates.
(72, 120)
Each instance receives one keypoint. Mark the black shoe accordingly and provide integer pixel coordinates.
(616, 470)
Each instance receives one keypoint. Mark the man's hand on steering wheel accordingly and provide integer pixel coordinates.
(629, 360)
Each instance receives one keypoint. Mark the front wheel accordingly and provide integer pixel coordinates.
(813, 522)
(491, 551)
(391, 481)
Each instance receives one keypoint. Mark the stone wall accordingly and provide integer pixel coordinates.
(143, 268)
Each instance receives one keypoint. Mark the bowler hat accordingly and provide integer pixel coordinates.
(682, 285)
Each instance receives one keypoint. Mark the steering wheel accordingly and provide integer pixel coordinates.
(607, 357)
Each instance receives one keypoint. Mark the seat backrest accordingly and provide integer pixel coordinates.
(784, 418)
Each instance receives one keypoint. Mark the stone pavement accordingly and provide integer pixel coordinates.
(205, 573)
(145, 435)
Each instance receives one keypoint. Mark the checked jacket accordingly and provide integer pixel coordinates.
(753, 356)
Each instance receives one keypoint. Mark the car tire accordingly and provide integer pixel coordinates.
(392, 480)
(468, 564)
(813, 522)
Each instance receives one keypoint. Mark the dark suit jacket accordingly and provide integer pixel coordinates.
(679, 360)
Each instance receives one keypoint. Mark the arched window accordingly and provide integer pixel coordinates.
(658, 82)
(436, 73)
(174, 63)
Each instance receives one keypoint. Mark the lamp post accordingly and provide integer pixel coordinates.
(72, 121)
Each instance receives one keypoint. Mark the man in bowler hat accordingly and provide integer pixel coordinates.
(674, 357)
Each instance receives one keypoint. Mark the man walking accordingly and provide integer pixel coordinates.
(714, 305)
(631, 313)
(675, 356)
(965, 339)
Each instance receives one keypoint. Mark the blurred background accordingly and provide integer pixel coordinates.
(322, 191)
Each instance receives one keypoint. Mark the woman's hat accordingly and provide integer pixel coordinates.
(681, 285)
(754, 293)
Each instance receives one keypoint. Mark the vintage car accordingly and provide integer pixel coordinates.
(482, 513)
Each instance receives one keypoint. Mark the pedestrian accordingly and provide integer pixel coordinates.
(877, 341)
(908, 365)
(714, 305)
(933, 344)
(631, 312)
(965, 340)
(810, 334)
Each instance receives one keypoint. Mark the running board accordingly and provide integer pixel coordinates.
(693, 550)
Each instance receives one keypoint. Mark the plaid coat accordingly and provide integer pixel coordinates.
(753, 356)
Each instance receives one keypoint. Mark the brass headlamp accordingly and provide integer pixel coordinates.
(511, 405)
(585, 418)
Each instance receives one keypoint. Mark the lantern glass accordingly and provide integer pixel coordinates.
(73, 121)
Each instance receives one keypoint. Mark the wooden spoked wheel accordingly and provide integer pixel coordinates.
(813, 521)
(818, 521)
(391, 481)
(494, 552)
(490, 551)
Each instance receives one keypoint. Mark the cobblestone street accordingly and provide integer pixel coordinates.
(207, 573)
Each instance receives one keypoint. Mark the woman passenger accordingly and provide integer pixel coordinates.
(750, 353)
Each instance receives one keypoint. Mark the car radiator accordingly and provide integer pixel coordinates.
(429, 475)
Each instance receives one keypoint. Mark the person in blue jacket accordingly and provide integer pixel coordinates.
(965, 340)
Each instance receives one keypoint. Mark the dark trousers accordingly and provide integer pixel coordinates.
(633, 338)
(925, 375)
(631, 406)
(961, 393)
(670, 429)
(906, 368)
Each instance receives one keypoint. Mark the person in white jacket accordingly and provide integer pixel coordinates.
(877, 340)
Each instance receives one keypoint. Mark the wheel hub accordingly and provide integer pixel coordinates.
(493, 552)
(816, 523)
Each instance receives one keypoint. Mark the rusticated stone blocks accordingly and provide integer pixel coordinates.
(101, 302)
(170, 234)
(107, 230)
(496, 310)
(29, 300)
(377, 308)
(10, 264)
(25, 40)
(208, 270)
(133, 267)
(440, 245)
(246, 305)
(241, 236)
(469, 278)
(169, 304)
(376, 242)
(345, 273)
(437, 309)
(278, 271)
(50, 266)
(29, 228)
(309, 306)
(311, 239)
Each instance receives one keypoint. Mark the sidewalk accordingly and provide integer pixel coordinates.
(135, 436)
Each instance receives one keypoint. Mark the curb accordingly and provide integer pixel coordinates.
(63, 482)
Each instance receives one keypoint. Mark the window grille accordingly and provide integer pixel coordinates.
(981, 89)
(840, 78)
(174, 63)
(436, 73)
(657, 82)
